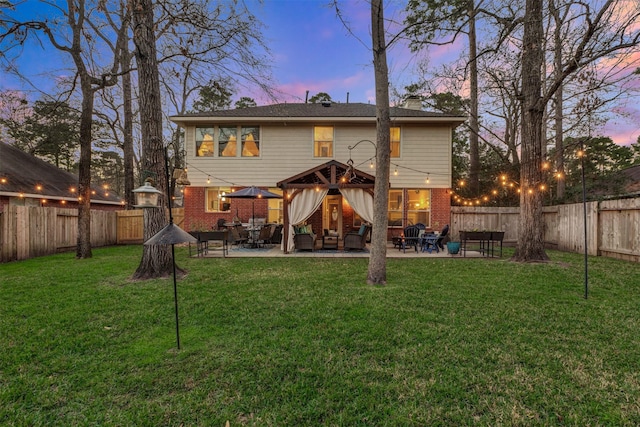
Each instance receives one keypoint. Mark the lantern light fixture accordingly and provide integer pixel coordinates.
(147, 195)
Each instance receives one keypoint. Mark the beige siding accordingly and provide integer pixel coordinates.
(287, 150)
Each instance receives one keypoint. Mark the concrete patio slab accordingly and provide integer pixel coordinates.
(276, 252)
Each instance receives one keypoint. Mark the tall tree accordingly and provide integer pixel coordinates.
(156, 259)
(429, 19)
(320, 97)
(606, 32)
(213, 96)
(54, 128)
(530, 237)
(127, 131)
(78, 38)
(377, 271)
(245, 102)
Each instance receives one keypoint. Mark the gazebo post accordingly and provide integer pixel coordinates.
(285, 220)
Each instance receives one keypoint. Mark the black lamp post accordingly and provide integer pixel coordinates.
(350, 173)
(147, 197)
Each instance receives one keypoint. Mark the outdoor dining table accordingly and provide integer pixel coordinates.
(254, 234)
(429, 242)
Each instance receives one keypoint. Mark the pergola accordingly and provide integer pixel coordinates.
(330, 177)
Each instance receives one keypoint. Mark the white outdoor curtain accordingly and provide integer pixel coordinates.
(361, 202)
(302, 207)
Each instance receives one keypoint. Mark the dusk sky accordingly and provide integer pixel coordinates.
(312, 50)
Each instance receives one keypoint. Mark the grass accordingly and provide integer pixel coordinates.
(304, 342)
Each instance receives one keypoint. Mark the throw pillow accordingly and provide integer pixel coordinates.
(362, 230)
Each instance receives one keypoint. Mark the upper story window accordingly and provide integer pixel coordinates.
(204, 141)
(323, 141)
(395, 142)
(222, 141)
(227, 141)
(250, 141)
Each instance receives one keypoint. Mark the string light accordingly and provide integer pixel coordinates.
(507, 185)
(427, 181)
(395, 171)
(208, 179)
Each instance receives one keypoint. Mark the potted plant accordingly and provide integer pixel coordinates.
(453, 247)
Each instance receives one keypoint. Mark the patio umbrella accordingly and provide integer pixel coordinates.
(254, 193)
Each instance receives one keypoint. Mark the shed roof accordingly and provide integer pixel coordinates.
(24, 174)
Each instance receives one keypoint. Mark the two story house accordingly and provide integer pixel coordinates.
(326, 148)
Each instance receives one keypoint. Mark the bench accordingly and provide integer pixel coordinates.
(204, 237)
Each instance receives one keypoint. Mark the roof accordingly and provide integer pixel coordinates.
(632, 175)
(332, 175)
(358, 112)
(26, 175)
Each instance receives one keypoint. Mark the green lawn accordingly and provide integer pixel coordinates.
(300, 341)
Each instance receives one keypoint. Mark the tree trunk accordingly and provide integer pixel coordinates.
(377, 272)
(156, 260)
(83, 244)
(530, 245)
(559, 123)
(474, 150)
(127, 148)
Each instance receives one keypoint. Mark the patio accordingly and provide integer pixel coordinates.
(276, 252)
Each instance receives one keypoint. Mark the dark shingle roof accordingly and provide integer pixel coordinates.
(308, 110)
(23, 172)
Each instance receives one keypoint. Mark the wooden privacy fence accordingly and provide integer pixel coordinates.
(130, 224)
(27, 232)
(613, 226)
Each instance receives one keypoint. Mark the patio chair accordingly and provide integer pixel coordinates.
(236, 238)
(276, 238)
(264, 236)
(305, 241)
(304, 238)
(444, 235)
(411, 238)
(357, 241)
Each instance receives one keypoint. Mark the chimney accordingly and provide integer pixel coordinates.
(412, 102)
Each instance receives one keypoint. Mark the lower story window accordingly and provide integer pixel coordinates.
(419, 207)
(274, 208)
(216, 200)
(395, 208)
